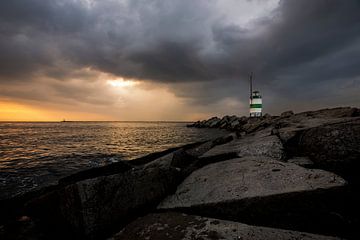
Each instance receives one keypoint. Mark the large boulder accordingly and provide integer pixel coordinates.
(263, 191)
(257, 144)
(257, 124)
(187, 157)
(224, 120)
(234, 124)
(177, 226)
(93, 207)
(182, 158)
(333, 146)
(291, 130)
(212, 122)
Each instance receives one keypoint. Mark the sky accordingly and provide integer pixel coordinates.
(176, 59)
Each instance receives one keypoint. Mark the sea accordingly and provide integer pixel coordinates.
(37, 154)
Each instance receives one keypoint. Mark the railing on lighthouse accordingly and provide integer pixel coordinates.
(255, 101)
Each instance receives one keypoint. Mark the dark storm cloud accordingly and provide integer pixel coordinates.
(27, 34)
(300, 44)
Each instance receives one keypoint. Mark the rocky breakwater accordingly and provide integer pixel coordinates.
(277, 177)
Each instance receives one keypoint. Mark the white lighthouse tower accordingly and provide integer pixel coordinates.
(255, 101)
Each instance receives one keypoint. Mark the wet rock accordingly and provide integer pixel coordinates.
(170, 225)
(251, 145)
(262, 191)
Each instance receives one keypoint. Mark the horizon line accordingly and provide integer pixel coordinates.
(30, 121)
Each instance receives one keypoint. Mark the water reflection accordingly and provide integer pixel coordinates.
(37, 154)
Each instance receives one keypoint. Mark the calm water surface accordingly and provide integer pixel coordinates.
(33, 155)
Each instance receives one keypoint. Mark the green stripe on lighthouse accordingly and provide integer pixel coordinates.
(255, 105)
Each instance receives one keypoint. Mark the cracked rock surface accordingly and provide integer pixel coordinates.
(172, 225)
(246, 178)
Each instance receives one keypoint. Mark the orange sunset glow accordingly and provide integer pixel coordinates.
(13, 111)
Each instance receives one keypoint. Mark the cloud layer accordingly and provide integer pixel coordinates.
(202, 51)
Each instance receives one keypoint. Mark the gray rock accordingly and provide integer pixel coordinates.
(224, 120)
(257, 124)
(290, 127)
(166, 160)
(212, 122)
(258, 144)
(339, 112)
(301, 161)
(287, 114)
(170, 225)
(267, 115)
(253, 124)
(244, 178)
(333, 146)
(234, 123)
(223, 125)
(94, 206)
(184, 158)
(232, 119)
(265, 192)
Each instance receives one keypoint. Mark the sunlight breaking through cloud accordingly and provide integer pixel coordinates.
(121, 83)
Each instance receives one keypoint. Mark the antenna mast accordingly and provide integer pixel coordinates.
(251, 78)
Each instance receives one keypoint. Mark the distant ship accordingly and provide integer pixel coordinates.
(63, 120)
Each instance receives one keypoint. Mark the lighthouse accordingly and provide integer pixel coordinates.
(255, 101)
